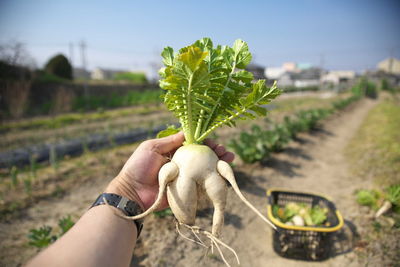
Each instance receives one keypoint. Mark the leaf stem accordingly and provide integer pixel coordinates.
(238, 113)
(215, 126)
(201, 117)
(199, 122)
(205, 126)
(189, 136)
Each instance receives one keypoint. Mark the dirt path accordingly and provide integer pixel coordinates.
(316, 164)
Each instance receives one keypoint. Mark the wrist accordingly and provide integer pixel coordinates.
(120, 187)
(122, 206)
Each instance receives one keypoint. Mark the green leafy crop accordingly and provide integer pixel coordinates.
(207, 87)
(393, 194)
(368, 198)
(43, 236)
(313, 216)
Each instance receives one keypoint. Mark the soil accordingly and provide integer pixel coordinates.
(12, 140)
(313, 163)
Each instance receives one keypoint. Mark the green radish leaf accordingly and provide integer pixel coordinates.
(168, 56)
(171, 129)
(259, 110)
(242, 54)
(192, 57)
(243, 76)
(207, 87)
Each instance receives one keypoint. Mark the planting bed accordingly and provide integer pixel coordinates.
(93, 142)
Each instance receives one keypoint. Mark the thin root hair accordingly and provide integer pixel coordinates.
(214, 240)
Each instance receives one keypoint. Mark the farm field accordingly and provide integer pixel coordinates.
(50, 181)
(315, 162)
(55, 129)
(63, 127)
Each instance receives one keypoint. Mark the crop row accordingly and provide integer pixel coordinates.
(258, 144)
(74, 147)
(83, 103)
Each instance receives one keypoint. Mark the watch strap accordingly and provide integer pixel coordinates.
(127, 206)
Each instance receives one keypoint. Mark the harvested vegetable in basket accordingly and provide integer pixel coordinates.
(300, 214)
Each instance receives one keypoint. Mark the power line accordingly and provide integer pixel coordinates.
(329, 52)
(98, 48)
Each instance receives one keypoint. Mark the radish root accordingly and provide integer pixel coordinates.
(195, 170)
(226, 171)
(200, 242)
(214, 240)
(385, 208)
(167, 173)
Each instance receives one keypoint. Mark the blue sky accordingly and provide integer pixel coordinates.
(350, 34)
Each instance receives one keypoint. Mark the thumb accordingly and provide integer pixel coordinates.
(169, 143)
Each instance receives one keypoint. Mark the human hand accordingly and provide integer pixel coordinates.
(138, 179)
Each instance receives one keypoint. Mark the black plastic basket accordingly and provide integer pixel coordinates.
(303, 242)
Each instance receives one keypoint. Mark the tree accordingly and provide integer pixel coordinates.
(59, 66)
(14, 53)
(15, 79)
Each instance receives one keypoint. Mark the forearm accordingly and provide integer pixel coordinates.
(99, 238)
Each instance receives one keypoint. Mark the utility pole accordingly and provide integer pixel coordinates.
(155, 65)
(82, 45)
(71, 53)
(321, 60)
(391, 60)
(321, 69)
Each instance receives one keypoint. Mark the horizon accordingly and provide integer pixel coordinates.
(344, 35)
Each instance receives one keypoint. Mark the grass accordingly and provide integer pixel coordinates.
(374, 152)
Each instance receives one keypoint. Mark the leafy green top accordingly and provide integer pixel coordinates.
(207, 87)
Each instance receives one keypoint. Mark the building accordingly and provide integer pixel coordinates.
(286, 80)
(390, 65)
(305, 78)
(337, 77)
(290, 66)
(258, 71)
(274, 73)
(309, 77)
(81, 74)
(294, 75)
(378, 76)
(104, 74)
(303, 66)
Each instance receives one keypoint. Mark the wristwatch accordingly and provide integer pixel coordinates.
(127, 206)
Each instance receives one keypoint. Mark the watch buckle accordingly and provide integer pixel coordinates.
(122, 203)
